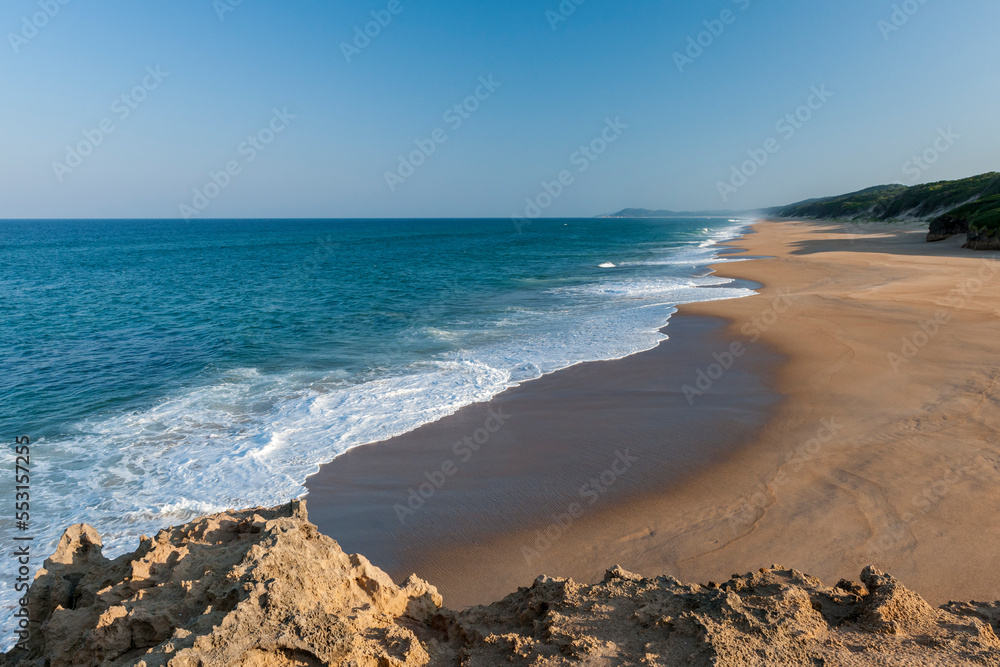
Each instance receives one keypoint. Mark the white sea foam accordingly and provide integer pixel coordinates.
(251, 438)
(677, 290)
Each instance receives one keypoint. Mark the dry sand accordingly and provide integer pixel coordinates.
(868, 458)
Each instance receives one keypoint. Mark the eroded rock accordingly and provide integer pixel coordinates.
(259, 587)
(263, 588)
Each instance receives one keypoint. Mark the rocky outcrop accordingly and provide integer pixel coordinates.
(979, 238)
(263, 588)
(772, 617)
(258, 587)
(983, 239)
(979, 220)
(946, 226)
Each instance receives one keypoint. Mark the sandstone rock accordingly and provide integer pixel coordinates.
(770, 617)
(889, 607)
(262, 588)
(259, 587)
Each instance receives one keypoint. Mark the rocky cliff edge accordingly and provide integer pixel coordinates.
(263, 588)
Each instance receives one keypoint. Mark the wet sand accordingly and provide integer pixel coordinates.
(857, 424)
(543, 456)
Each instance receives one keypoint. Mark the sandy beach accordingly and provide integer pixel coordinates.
(550, 451)
(844, 416)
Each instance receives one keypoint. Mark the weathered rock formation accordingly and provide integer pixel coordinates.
(257, 587)
(983, 239)
(946, 226)
(978, 237)
(263, 588)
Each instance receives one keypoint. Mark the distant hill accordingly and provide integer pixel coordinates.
(969, 206)
(896, 202)
(646, 213)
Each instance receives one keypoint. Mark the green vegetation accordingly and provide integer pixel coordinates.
(892, 202)
(854, 206)
(982, 215)
(968, 206)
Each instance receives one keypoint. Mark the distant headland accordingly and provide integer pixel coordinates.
(969, 206)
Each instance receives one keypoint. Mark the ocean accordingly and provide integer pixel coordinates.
(168, 369)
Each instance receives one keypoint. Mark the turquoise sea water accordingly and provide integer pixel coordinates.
(166, 369)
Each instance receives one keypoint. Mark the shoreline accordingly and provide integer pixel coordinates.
(544, 463)
(558, 458)
(906, 477)
(889, 340)
(862, 461)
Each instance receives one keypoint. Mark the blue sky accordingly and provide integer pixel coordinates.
(891, 90)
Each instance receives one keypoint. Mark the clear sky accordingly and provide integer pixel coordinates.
(894, 79)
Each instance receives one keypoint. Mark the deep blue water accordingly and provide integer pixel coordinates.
(165, 369)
